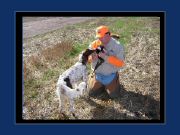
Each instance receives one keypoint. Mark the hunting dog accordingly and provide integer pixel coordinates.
(70, 78)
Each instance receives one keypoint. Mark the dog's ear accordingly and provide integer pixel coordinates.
(88, 52)
(85, 55)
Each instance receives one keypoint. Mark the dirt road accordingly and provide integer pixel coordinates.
(33, 26)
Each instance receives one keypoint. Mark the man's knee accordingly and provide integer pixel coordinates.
(113, 93)
(113, 89)
(96, 92)
(94, 87)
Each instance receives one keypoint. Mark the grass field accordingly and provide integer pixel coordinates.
(46, 56)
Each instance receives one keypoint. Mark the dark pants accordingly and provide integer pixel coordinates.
(95, 87)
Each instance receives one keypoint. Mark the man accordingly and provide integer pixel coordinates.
(106, 76)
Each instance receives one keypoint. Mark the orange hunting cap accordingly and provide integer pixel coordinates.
(101, 31)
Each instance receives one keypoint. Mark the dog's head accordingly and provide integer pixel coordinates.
(84, 56)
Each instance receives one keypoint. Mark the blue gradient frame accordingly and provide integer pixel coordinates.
(7, 58)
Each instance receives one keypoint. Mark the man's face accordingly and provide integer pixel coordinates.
(105, 39)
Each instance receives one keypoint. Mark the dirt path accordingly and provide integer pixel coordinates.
(33, 26)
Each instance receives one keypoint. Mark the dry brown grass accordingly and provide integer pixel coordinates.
(31, 65)
(56, 52)
(45, 59)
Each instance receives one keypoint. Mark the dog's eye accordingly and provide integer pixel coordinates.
(77, 89)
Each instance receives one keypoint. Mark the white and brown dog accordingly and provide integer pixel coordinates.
(70, 78)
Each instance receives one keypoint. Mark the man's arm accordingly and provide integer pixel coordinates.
(115, 61)
(118, 59)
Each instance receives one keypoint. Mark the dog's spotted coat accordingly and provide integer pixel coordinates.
(70, 78)
(75, 73)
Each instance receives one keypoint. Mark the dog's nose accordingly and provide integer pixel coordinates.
(77, 89)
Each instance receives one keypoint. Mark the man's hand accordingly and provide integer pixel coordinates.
(93, 57)
(103, 55)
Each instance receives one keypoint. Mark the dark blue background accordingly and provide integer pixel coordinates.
(7, 68)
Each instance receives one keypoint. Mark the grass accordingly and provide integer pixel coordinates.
(57, 51)
(77, 49)
(30, 88)
(42, 68)
(49, 74)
